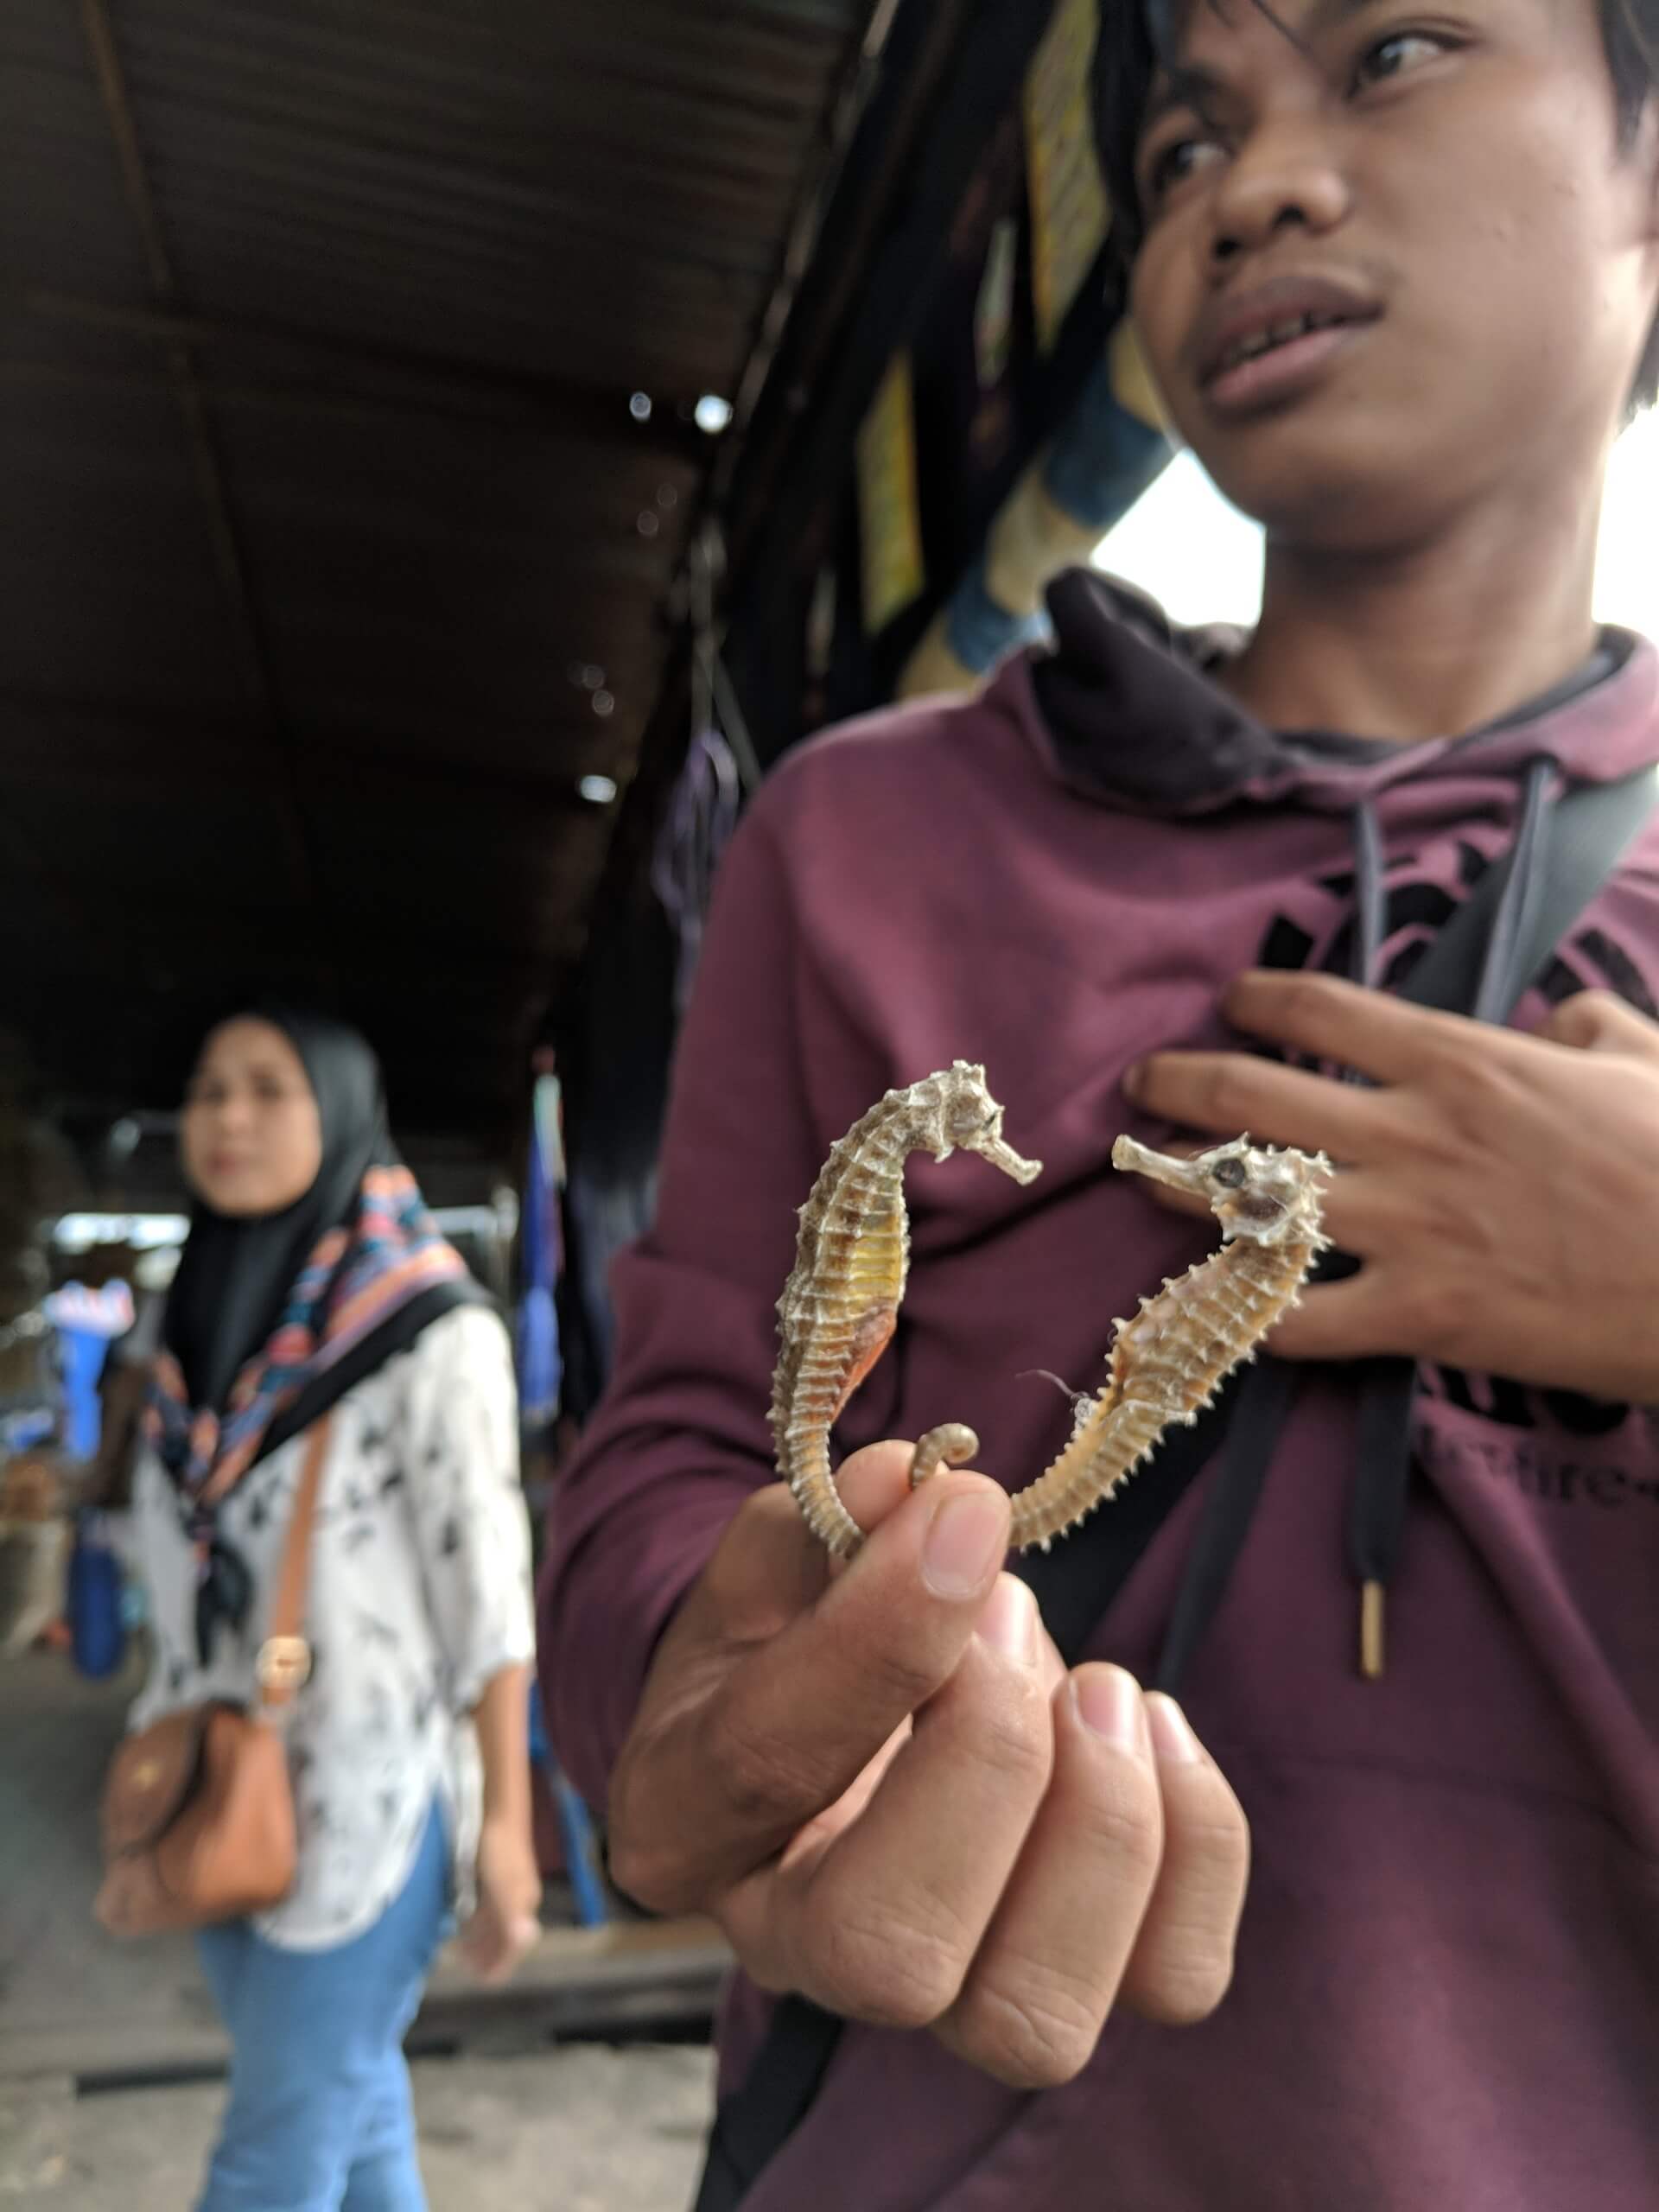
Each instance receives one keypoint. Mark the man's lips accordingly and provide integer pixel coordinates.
(1269, 381)
(1285, 312)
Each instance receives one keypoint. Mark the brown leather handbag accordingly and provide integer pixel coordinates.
(198, 1808)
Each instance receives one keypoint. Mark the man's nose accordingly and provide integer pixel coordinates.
(1283, 178)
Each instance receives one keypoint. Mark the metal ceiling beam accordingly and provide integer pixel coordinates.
(135, 750)
(225, 542)
(444, 981)
(419, 382)
(405, 968)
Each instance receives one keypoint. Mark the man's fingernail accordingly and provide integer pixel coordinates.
(1134, 1076)
(1110, 1704)
(965, 1545)
(1172, 1732)
(1009, 1620)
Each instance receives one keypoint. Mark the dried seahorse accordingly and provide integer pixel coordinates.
(841, 1304)
(1168, 1363)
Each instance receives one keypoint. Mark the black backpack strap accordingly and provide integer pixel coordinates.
(1589, 835)
(754, 2122)
(1590, 832)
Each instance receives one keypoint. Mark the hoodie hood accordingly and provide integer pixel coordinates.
(1123, 707)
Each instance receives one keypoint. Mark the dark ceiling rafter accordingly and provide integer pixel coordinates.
(392, 378)
(229, 560)
(499, 800)
(442, 953)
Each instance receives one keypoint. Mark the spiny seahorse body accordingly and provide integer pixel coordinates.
(1166, 1365)
(841, 1304)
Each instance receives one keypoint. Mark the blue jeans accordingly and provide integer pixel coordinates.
(319, 2118)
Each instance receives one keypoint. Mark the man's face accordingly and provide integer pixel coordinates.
(1440, 206)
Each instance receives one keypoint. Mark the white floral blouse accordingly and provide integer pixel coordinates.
(419, 1594)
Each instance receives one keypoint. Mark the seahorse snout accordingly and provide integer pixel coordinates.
(1137, 1159)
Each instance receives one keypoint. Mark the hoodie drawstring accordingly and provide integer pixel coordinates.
(1388, 1387)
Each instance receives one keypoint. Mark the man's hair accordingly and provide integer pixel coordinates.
(1130, 59)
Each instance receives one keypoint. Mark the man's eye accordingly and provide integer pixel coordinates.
(1176, 163)
(1394, 56)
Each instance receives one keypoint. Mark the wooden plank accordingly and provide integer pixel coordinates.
(629, 1977)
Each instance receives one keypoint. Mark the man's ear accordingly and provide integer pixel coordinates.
(1650, 154)
(1646, 154)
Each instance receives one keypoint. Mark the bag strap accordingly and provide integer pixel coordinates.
(1591, 830)
(284, 1660)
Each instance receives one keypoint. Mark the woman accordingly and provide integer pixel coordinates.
(314, 1282)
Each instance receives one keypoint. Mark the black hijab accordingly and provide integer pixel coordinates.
(235, 1275)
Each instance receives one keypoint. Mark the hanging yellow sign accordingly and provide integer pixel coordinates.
(1069, 212)
(889, 506)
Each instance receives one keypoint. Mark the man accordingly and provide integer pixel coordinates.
(1397, 276)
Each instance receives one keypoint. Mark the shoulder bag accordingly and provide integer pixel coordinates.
(197, 1814)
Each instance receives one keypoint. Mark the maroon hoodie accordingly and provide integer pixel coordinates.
(1447, 1993)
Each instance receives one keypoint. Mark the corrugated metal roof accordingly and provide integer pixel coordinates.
(320, 499)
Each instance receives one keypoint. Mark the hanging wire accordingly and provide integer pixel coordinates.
(721, 771)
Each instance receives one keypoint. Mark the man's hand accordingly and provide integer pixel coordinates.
(886, 1787)
(1502, 1191)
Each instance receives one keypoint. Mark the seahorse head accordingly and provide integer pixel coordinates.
(971, 1121)
(1254, 1190)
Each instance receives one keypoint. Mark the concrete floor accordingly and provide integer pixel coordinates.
(576, 2129)
(58, 1970)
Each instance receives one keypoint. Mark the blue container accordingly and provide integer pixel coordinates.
(97, 1634)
